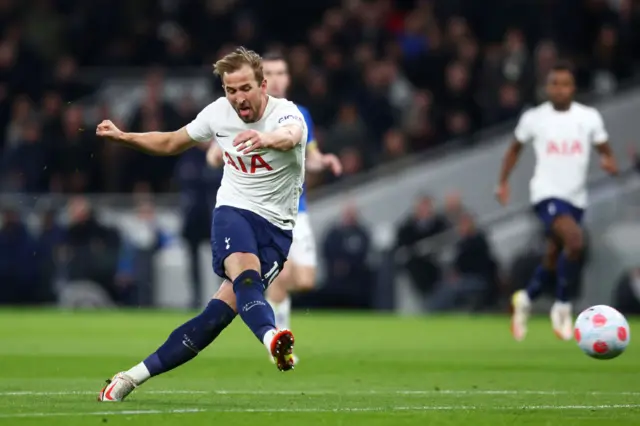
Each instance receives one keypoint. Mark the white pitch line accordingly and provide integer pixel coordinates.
(323, 410)
(453, 392)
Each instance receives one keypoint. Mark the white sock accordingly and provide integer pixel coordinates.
(139, 373)
(282, 312)
(283, 316)
(268, 338)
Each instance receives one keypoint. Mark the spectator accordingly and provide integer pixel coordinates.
(433, 70)
(345, 251)
(422, 224)
(19, 256)
(198, 185)
(394, 145)
(474, 272)
(50, 240)
(143, 238)
(76, 165)
(90, 248)
(24, 166)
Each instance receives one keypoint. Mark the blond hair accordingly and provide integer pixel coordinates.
(235, 60)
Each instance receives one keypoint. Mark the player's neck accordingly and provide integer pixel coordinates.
(562, 108)
(263, 107)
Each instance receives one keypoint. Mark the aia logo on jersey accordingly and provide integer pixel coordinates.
(256, 163)
(564, 148)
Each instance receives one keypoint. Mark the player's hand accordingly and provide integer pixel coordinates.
(608, 164)
(249, 140)
(502, 193)
(332, 162)
(108, 130)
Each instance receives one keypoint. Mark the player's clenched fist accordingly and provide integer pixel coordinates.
(248, 141)
(108, 130)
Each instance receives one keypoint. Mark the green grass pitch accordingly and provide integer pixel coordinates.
(354, 370)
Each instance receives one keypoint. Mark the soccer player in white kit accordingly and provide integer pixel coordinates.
(263, 141)
(562, 133)
(299, 272)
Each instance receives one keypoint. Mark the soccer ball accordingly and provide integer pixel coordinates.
(602, 332)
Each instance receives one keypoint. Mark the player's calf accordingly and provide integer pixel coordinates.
(182, 345)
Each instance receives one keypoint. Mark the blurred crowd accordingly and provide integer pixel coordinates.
(382, 78)
(71, 256)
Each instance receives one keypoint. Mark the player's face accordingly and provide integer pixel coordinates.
(277, 76)
(561, 87)
(245, 93)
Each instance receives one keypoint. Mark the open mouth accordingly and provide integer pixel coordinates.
(245, 111)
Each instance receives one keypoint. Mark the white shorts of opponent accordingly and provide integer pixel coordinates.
(303, 246)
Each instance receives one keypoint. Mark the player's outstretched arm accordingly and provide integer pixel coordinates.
(508, 164)
(214, 155)
(317, 161)
(607, 159)
(284, 138)
(154, 143)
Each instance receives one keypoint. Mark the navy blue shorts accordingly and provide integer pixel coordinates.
(548, 210)
(241, 231)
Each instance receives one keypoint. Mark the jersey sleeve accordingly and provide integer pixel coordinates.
(599, 133)
(200, 128)
(289, 114)
(524, 129)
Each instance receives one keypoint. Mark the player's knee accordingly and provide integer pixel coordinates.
(225, 293)
(305, 279)
(574, 244)
(237, 263)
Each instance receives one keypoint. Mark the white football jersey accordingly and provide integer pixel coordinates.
(562, 142)
(266, 182)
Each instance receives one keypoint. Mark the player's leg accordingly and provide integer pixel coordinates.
(182, 345)
(251, 272)
(278, 296)
(186, 341)
(567, 228)
(544, 275)
(299, 273)
(255, 311)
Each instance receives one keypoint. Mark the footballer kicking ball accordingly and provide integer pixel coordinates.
(602, 332)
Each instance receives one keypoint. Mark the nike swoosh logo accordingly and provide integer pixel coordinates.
(220, 135)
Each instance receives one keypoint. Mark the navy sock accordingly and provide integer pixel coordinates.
(190, 338)
(568, 271)
(541, 277)
(252, 306)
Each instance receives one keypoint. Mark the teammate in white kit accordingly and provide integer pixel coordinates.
(263, 141)
(562, 133)
(299, 272)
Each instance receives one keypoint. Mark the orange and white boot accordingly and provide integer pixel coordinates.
(117, 388)
(562, 320)
(280, 346)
